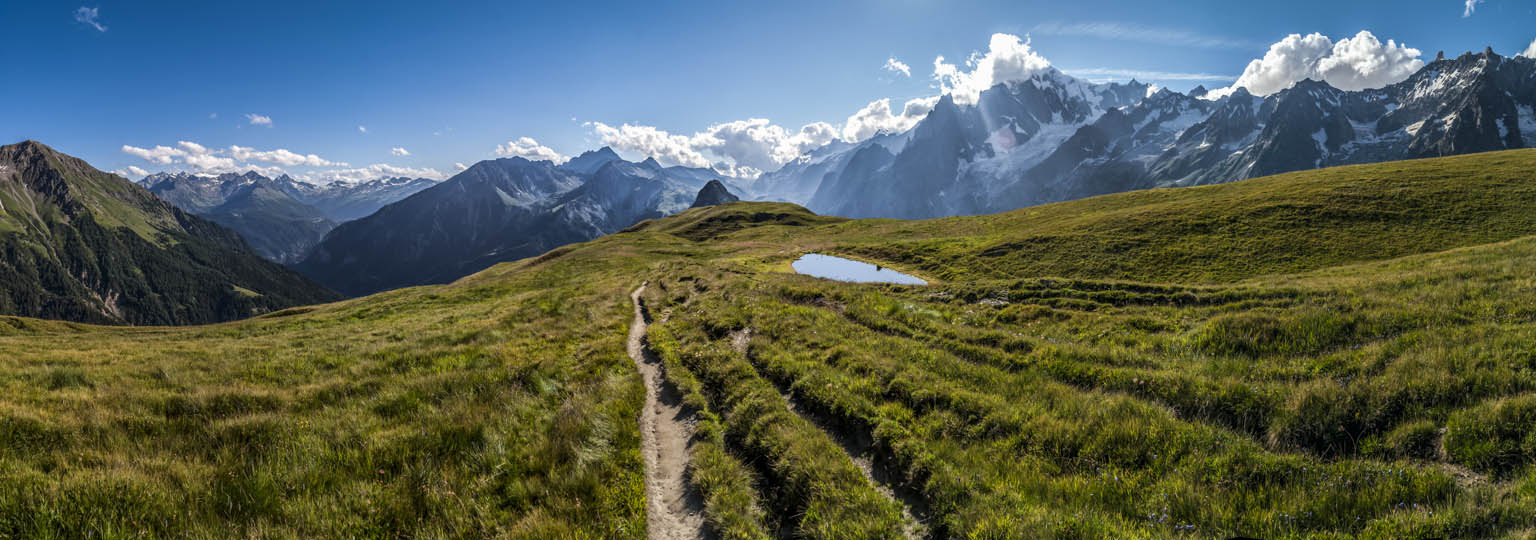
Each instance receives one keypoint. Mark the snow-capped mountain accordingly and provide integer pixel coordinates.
(1052, 137)
(338, 201)
(281, 217)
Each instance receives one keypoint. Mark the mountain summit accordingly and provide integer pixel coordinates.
(714, 193)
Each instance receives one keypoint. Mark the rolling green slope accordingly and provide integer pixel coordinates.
(83, 245)
(1280, 224)
(1337, 354)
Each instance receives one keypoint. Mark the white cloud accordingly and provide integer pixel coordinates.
(897, 66)
(236, 158)
(90, 16)
(362, 129)
(459, 166)
(1353, 63)
(1139, 33)
(213, 116)
(761, 145)
(666, 148)
(529, 149)
(131, 171)
(376, 171)
(210, 162)
(281, 156)
(259, 120)
(877, 118)
(163, 155)
(398, 151)
(1007, 59)
(1530, 52)
(1471, 8)
(192, 147)
(743, 148)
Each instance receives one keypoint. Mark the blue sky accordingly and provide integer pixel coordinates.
(450, 82)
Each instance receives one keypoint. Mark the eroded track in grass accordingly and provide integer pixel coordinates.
(674, 510)
(860, 449)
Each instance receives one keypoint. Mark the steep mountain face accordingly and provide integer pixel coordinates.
(590, 161)
(713, 193)
(959, 157)
(495, 211)
(281, 217)
(83, 245)
(278, 226)
(1053, 138)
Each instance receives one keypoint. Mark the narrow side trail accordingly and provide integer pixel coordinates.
(674, 511)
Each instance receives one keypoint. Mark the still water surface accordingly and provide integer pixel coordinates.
(840, 269)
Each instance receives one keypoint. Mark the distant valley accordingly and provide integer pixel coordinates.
(281, 217)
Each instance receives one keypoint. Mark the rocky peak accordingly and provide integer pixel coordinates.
(714, 193)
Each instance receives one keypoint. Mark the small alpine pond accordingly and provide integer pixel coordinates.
(840, 269)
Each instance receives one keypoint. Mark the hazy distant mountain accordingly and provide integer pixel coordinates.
(279, 226)
(1052, 137)
(495, 211)
(80, 244)
(345, 201)
(281, 217)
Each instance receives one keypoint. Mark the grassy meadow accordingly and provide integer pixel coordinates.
(1345, 353)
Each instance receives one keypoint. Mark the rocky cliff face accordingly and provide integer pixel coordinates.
(713, 193)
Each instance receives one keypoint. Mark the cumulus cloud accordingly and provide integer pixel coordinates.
(259, 120)
(530, 149)
(236, 158)
(897, 66)
(667, 148)
(1530, 52)
(743, 148)
(282, 156)
(376, 171)
(163, 155)
(459, 166)
(131, 171)
(362, 129)
(1008, 59)
(761, 145)
(91, 17)
(1353, 63)
(877, 118)
(398, 151)
(1471, 8)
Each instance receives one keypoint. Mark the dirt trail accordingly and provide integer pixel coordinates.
(860, 448)
(674, 511)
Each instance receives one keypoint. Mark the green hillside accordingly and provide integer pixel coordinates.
(1342, 353)
(80, 244)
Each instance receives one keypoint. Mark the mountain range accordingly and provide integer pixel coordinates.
(281, 217)
(1052, 137)
(1049, 137)
(80, 244)
(500, 210)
